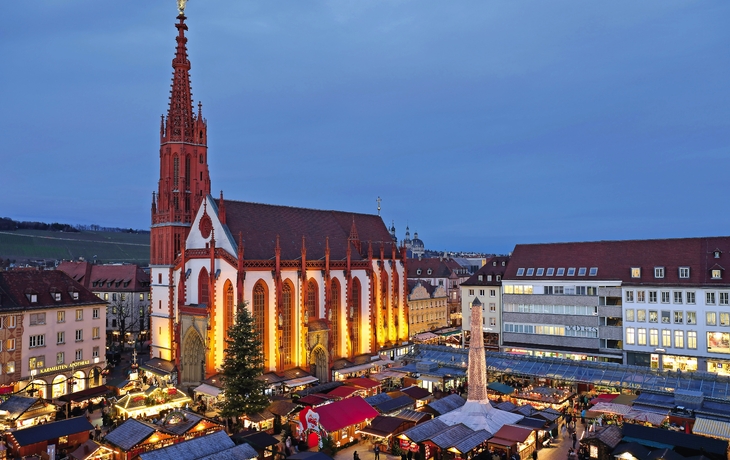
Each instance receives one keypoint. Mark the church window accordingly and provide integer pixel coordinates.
(287, 339)
(202, 160)
(230, 310)
(203, 281)
(312, 300)
(187, 172)
(175, 172)
(334, 308)
(355, 317)
(259, 314)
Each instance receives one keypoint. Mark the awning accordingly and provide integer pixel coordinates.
(358, 368)
(209, 390)
(611, 408)
(501, 442)
(645, 416)
(158, 367)
(501, 388)
(424, 336)
(605, 397)
(386, 374)
(88, 393)
(300, 381)
(711, 428)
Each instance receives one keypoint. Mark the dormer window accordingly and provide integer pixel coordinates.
(499, 277)
(550, 271)
(520, 271)
(530, 271)
(561, 271)
(32, 298)
(57, 296)
(494, 264)
(504, 263)
(540, 271)
(593, 271)
(635, 272)
(582, 271)
(429, 271)
(489, 277)
(684, 272)
(717, 253)
(418, 272)
(571, 271)
(716, 273)
(481, 277)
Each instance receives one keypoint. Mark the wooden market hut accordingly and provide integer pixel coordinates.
(438, 446)
(471, 445)
(65, 434)
(264, 443)
(393, 406)
(444, 405)
(260, 421)
(384, 429)
(601, 443)
(91, 450)
(417, 437)
(342, 419)
(151, 402)
(514, 439)
(21, 411)
(421, 395)
(218, 446)
(368, 386)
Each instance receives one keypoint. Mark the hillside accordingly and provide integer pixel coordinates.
(106, 247)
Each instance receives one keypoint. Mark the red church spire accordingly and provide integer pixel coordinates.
(184, 179)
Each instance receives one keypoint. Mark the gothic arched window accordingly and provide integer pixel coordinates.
(230, 308)
(175, 171)
(203, 282)
(355, 317)
(260, 322)
(287, 333)
(312, 300)
(334, 308)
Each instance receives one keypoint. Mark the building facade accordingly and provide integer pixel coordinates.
(486, 285)
(125, 289)
(654, 303)
(427, 307)
(445, 272)
(321, 285)
(53, 333)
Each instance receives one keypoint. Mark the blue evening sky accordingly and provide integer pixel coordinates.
(481, 124)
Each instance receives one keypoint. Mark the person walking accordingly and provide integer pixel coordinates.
(575, 439)
(534, 454)
(355, 456)
(377, 452)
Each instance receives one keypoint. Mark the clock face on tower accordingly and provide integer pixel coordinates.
(205, 226)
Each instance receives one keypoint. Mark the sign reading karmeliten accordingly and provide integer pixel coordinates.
(63, 367)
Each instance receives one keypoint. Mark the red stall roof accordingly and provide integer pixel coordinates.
(343, 391)
(362, 382)
(513, 433)
(344, 413)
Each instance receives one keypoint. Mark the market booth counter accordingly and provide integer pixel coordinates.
(64, 435)
(544, 397)
(150, 402)
(601, 443)
(513, 439)
(22, 412)
(384, 429)
(341, 420)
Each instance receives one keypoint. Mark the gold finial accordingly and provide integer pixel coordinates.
(181, 6)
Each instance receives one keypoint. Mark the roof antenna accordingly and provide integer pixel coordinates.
(378, 200)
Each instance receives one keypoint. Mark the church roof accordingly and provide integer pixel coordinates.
(260, 224)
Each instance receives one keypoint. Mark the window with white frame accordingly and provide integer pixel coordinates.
(37, 319)
(79, 335)
(561, 271)
(666, 315)
(678, 339)
(492, 293)
(471, 291)
(684, 272)
(60, 337)
(658, 272)
(711, 318)
(593, 271)
(652, 296)
(691, 317)
(678, 317)
(640, 296)
(677, 296)
(95, 332)
(710, 298)
(666, 338)
(641, 316)
(641, 336)
(61, 316)
(10, 344)
(723, 298)
(530, 271)
(571, 271)
(492, 321)
(540, 271)
(79, 355)
(629, 296)
(724, 319)
(95, 352)
(60, 358)
(582, 271)
(692, 340)
(10, 367)
(550, 271)
(79, 315)
(716, 274)
(654, 337)
(690, 297)
(481, 291)
(653, 316)
(635, 272)
(520, 271)
(630, 314)
(38, 340)
(665, 296)
(95, 313)
(492, 307)
(630, 336)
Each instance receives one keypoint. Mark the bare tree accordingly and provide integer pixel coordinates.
(126, 315)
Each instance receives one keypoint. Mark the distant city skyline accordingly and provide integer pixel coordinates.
(480, 125)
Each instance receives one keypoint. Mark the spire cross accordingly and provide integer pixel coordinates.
(378, 200)
(181, 6)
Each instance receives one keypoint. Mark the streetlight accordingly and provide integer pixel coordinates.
(71, 383)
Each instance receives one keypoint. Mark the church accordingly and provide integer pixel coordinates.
(321, 285)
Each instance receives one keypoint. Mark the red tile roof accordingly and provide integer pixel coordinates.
(124, 278)
(440, 268)
(17, 287)
(493, 267)
(260, 224)
(513, 433)
(362, 382)
(343, 391)
(615, 259)
(344, 413)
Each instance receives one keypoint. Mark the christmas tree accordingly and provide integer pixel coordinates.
(243, 363)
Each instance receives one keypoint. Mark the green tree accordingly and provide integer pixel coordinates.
(244, 361)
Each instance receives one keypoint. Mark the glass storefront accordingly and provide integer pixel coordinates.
(719, 367)
(674, 363)
(551, 354)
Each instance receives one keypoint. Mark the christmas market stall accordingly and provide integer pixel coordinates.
(365, 386)
(513, 439)
(417, 439)
(21, 411)
(91, 450)
(134, 437)
(64, 435)
(261, 421)
(544, 397)
(600, 443)
(158, 372)
(264, 443)
(216, 445)
(341, 420)
(383, 429)
(150, 402)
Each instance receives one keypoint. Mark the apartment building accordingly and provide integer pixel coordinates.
(126, 289)
(53, 334)
(486, 285)
(427, 307)
(443, 272)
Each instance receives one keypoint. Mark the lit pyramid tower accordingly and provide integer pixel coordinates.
(477, 359)
(477, 413)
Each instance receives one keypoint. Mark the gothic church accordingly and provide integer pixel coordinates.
(322, 285)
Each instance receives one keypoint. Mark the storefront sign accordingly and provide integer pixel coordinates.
(63, 367)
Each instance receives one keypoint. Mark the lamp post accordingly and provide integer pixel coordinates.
(71, 383)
